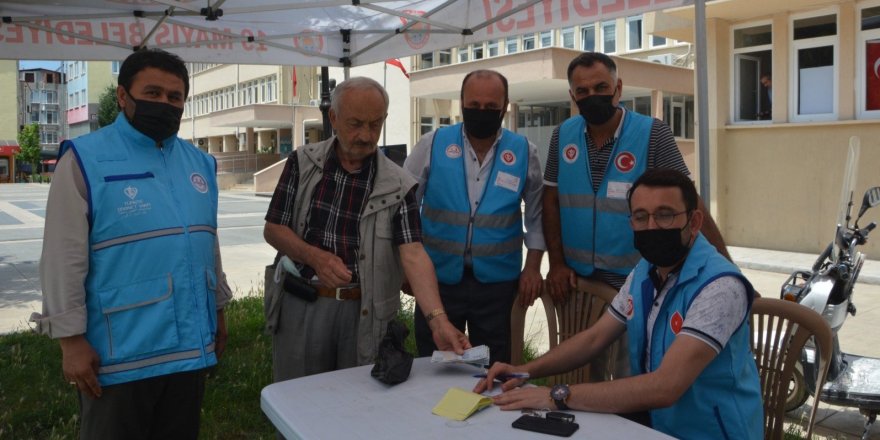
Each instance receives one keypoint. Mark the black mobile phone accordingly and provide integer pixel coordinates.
(561, 416)
(546, 426)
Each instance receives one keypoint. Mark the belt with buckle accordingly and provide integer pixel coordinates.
(340, 293)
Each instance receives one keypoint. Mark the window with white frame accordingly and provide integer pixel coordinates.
(609, 39)
(477, 51)
(114, 67)
(463, 54)
(752, 62)
(814, 76)
(588, 38)
(634, 32)
(493, 48)
(444, 121)
(444, 57)
(868, 61)
(547, 39)
(426, 124)
(426, 60)
(567, 35)
(678, 113)
(657, 41)
(528, 41)
(512, 45)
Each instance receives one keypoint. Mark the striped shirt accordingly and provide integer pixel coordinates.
(336, 208)
(663, 152)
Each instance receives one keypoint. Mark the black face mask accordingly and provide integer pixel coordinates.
(157, 120)
(597, 109)
(661, 247)
(481, 124)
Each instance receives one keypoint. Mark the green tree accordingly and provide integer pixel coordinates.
(29, 142)
(107, 106)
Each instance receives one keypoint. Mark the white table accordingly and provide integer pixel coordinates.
(350, 404)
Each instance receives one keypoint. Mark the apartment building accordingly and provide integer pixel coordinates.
(8, 120)
(776, 180)
(41, 101)
(86, 82)
(656, 72)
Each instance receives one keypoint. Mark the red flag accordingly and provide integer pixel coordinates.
(396, 62)
(872, 76)
(294, 80)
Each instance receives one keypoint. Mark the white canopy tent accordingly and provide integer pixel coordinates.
(293, 32)
(301, 32)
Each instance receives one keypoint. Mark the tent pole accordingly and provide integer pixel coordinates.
(325, 101)
(702, 63)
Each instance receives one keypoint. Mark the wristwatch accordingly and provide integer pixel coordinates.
(559, 394)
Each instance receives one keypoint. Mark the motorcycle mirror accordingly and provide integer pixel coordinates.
(871, 199)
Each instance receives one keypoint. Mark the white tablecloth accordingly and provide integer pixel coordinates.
(350, 404)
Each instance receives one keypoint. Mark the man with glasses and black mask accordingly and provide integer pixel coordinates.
(132, 282)
(593, 159)
(473, 178)
(685, 311)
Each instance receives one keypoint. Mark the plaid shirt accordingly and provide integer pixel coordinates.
(335, 210)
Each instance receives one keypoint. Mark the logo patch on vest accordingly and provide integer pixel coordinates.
(198, 182)
(453, 151)
(676, 322)
(570, 153)
(130, 192)
(508, 157)
(133, 206)
(625, 162)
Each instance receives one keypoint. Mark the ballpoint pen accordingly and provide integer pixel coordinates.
(506, 377)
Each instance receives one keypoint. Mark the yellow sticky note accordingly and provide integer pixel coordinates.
(459, 404)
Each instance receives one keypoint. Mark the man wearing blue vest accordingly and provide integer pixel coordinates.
(593, 159)
(473, 178)
(132, 282)
(685, 310)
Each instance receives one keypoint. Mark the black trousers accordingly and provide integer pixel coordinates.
(482, 308)
(162, 407)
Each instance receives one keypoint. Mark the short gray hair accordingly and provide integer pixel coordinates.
(358, 82)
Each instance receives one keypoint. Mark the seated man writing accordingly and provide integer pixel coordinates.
(685, 309)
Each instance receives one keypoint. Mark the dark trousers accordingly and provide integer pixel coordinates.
(162, 407)
(484, 308)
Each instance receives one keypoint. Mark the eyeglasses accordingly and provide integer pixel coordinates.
(663, 218)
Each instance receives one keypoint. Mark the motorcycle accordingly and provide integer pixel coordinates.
(827, 288)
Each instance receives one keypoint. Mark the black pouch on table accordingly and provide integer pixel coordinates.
(393, 362)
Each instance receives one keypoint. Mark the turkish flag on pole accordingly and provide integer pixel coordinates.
(396, 62)
(872, 76)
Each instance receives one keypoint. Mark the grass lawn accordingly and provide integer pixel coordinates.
(37, 403)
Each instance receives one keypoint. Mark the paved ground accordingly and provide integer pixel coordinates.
(22, 210)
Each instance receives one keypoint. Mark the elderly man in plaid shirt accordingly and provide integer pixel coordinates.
(348, 218)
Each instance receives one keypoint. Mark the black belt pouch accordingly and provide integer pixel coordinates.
(300, 287)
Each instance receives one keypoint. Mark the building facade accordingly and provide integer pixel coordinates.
(8, 120)
(86, 82)
(41, 101)
(656, 74)
(777, 153)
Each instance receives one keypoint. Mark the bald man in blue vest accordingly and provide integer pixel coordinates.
(473, 178)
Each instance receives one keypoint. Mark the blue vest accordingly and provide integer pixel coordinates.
(595, 226)
(151, 282)
(724, 402)
(497, 237)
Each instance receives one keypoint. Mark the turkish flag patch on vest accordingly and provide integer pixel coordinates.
(676, 322)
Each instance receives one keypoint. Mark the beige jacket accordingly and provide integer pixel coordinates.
(379, 267)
